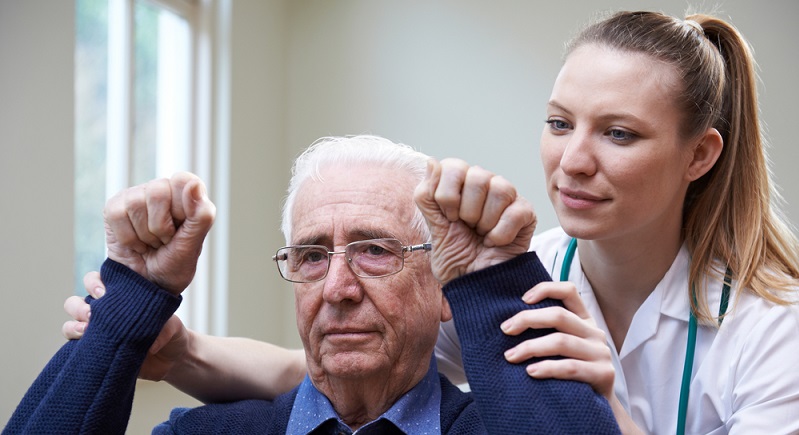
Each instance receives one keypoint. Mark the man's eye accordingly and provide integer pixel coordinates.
(376, 250)
(315, 256)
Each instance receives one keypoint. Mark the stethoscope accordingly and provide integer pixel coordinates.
(690, 348)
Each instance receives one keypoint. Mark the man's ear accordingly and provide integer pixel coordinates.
(446, 311)
(705, 153)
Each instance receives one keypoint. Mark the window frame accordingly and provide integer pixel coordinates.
(202, 310)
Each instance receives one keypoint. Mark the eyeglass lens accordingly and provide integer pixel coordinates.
(367, 258)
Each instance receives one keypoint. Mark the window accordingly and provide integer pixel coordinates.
(137, 104)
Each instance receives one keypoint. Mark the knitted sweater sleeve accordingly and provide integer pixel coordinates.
(510, 401)
(87, 387)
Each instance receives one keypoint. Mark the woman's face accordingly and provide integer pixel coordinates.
(613, 157)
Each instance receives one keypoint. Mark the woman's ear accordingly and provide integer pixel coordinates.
(705, 153)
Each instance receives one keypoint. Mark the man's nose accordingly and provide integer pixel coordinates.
(341, 283)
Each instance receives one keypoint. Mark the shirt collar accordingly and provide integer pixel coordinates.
(669, 298)
(417, 411)
(676, 294)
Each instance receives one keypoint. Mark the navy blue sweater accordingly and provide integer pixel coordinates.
(88, 385)
(508, 399)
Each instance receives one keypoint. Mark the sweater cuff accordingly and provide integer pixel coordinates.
(133, 309)
(506, 281)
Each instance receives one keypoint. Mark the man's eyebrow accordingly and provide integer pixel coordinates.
(371, 233)
(312, 240)
(352, 236)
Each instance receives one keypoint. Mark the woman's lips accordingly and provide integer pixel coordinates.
(577, 199)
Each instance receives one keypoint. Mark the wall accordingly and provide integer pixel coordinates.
(36, 135)
(259, 173)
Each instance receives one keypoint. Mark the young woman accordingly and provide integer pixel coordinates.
(669, 242)
(678, 276)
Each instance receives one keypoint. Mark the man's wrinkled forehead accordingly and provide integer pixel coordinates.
(344, 209)
(325, 238)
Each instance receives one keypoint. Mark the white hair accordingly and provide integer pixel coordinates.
(350, 150)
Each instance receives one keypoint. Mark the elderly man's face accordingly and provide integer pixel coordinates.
(353, 327)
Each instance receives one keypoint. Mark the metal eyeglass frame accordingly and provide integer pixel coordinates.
(330, 254)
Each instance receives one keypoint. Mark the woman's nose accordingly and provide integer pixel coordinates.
(578, 154)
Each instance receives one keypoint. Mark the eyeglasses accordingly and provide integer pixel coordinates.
(374, 258)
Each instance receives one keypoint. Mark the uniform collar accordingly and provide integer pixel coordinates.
(673, 289)
(676, 290)
(669, 298)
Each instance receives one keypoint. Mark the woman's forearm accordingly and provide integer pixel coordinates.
(222, 369)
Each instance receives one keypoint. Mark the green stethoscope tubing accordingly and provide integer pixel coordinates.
(690, 346)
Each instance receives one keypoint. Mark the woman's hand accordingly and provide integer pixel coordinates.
(583, 345)
(167, 351)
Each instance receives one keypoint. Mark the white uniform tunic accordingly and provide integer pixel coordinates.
(745, 377)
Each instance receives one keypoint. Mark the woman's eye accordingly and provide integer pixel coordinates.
(621, 135)
(558, 124)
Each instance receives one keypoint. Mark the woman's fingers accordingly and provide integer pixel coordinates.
(554, 317)
(563, 291)
(94, 284)
(577, 350)
(599, 375)
(77, 308)
(73, 330)
(561, 345)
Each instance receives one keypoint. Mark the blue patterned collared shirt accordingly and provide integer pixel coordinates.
(416, 412)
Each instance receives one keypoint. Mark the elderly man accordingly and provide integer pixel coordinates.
(368, 308)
